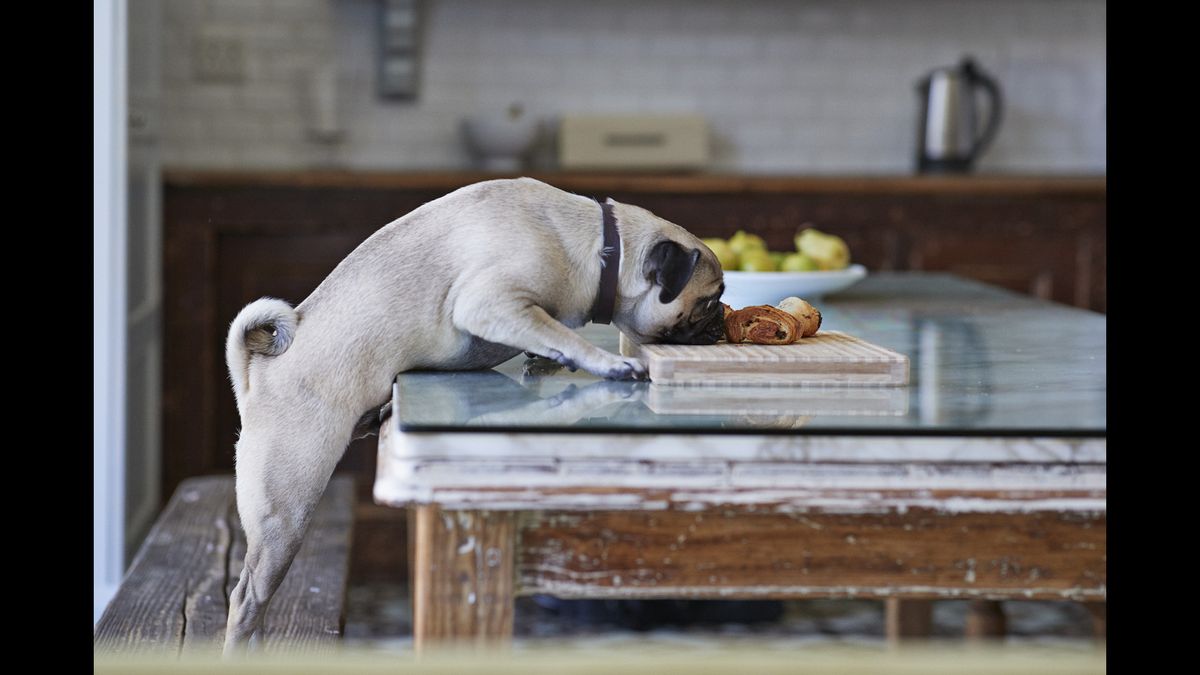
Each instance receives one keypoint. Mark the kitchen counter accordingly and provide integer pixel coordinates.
(1024, 185)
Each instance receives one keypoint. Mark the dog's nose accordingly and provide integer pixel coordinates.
(714, 333)
(706, 333)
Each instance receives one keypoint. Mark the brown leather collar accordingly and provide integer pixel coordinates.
(610, 267)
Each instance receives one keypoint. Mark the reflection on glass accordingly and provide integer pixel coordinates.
(942, 342)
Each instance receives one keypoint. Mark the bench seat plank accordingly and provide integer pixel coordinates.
(174, 596)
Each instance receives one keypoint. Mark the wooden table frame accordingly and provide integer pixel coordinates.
(981, 529)
(468, 566)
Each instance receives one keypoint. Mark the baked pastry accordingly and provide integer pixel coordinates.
(763, 325)
(792, 319)
(808, 316)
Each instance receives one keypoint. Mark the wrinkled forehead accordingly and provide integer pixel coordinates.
(708, 289)
(708, 274)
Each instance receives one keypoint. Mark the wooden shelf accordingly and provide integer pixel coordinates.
(1025, 185)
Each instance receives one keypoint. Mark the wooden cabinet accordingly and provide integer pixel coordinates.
(233, 237)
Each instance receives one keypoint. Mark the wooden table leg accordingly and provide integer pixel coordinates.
(463, 580)
(986, 620)
(410, 534)
(908, 619)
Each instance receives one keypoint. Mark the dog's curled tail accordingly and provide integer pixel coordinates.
(265, 326)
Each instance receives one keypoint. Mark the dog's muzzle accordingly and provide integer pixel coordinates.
(705, 332)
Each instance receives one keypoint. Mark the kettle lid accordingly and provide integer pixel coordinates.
(967, 66)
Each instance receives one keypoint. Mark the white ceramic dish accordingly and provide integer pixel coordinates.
(500, 140)
(743, 289)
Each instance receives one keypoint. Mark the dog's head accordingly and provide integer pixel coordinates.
(681, 283)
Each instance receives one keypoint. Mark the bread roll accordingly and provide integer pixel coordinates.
(763, 325)
(807, 316)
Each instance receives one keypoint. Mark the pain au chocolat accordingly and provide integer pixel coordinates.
(766, 325)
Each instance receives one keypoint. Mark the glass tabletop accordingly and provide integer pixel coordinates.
(982, 362)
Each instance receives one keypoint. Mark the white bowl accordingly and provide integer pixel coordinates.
(500, 141)
(743, 289)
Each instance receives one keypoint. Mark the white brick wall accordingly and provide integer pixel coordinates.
(818, 86)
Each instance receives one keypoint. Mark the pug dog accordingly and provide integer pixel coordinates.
(464, 282)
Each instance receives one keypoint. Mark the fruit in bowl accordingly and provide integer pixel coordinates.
(798, 262)
(725, 253)
(758, 260)
(828, 251)
(741, 242)
(815, 250)
(755, 275)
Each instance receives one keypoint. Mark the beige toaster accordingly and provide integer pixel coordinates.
(647, 142)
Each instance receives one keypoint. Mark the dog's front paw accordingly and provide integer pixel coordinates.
(627, 368)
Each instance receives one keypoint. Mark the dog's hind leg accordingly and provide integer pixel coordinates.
(282, 470)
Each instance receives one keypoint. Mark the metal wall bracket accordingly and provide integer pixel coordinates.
(399, 48)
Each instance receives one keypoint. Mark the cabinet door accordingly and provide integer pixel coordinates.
(1045, 265)
(223, 248)
(288, 265)
(1046, 248)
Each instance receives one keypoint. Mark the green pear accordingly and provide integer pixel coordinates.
(743, 241)
(757, 260)
(724, 252)
(829, 251)
(799, 262)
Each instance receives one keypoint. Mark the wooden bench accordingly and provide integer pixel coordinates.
(173, 599)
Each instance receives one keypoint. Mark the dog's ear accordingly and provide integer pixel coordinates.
(670, 266)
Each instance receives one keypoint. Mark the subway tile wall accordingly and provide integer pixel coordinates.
(788, 86)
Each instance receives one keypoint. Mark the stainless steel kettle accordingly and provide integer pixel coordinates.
(947, 141)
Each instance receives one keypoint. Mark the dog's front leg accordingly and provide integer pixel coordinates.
(529, 327)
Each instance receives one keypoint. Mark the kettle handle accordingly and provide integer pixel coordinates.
(975, 74)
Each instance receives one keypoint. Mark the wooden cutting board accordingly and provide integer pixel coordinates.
(829, 357)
